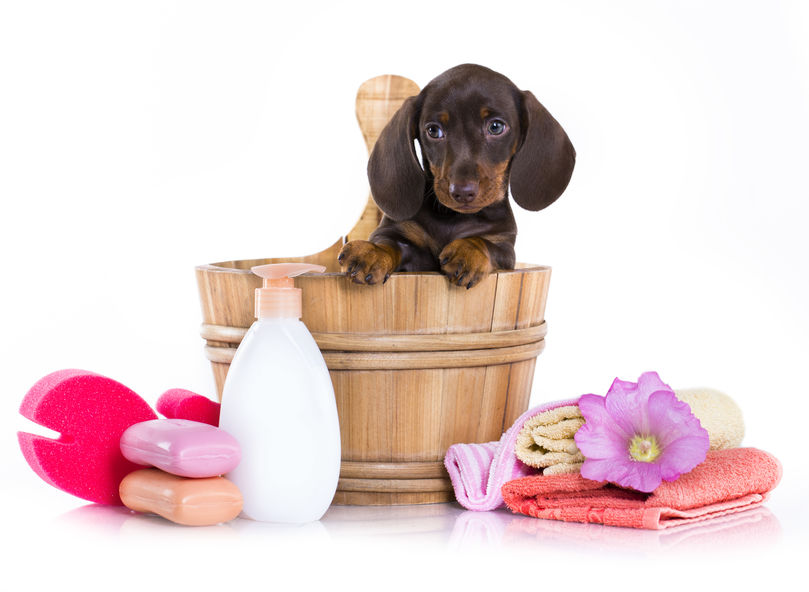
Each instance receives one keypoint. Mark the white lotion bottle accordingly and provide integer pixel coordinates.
(278, 402)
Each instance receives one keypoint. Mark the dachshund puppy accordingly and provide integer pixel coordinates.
(478, 134)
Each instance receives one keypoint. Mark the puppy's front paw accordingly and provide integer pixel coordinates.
(366, 263)
(465, 261)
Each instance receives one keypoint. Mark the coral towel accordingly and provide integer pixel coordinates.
(728, 481)
(478, 471)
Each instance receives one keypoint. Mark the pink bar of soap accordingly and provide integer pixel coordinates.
(181, 447)
(192, 502)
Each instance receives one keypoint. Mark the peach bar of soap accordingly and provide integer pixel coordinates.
(192, 502)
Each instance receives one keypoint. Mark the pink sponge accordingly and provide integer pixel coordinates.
(182, 404)
(90, 412)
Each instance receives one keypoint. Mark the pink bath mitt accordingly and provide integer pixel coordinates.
(182, 404)
(90, 412)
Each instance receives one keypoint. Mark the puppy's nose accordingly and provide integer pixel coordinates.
(464, 192)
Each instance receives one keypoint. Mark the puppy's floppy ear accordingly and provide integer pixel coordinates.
(543, 164)
(396, 178)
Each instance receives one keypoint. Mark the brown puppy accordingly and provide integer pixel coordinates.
(478, 133)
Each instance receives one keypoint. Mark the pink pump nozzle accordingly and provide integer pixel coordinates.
(279, 297)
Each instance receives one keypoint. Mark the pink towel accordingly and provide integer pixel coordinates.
(728, 481)
(478, 471)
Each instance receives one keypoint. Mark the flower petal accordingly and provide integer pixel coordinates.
(683, 454)
(650, 382)
(597, 469)
(593, 410)
(650, 409)
(622, 386)
(667, 416)
(634, 475)
(670, 418)
(642, 476)
(627, 408)
(600, 441)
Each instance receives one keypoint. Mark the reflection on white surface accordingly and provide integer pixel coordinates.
(444, 525)
(97, 547)
(753, 527)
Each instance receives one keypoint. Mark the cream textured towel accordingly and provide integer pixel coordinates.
(546, 440)
(564, 429)
(562, 468)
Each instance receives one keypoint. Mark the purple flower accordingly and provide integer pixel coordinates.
(639, 435)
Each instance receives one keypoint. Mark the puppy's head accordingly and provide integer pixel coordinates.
(478, 133)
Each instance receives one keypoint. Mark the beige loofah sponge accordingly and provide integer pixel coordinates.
(718, 414)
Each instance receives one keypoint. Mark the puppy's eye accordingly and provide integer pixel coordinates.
(496, 127)
(434, 131)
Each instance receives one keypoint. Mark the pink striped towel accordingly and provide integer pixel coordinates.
(478, 471)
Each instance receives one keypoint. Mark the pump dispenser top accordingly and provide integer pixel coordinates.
(279, 298)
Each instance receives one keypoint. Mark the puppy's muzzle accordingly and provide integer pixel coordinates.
(464, 193)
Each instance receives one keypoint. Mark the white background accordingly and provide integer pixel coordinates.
(140, 139)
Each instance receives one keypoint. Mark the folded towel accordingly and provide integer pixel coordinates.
(546, 440)
(478, 471)
(728, 481)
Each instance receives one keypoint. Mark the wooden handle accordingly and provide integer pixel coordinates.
(377, 100)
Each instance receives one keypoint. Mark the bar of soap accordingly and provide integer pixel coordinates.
(191, 502)
(181, 447)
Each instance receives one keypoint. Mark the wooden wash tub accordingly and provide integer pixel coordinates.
(417, 364)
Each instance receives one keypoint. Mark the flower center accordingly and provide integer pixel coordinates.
(644, 448)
